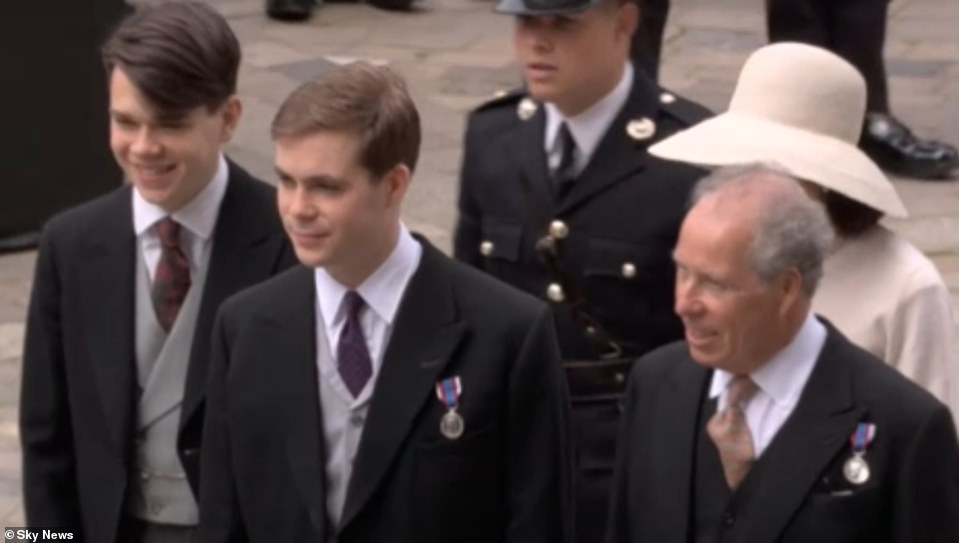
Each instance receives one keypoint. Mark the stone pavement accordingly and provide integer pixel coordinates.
(456, 54)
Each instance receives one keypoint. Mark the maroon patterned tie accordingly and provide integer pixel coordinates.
(352, 355)
(172, 278)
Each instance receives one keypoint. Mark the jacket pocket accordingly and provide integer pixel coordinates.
(501, 240)
(460, 488)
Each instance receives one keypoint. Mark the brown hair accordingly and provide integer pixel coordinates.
(367, 101)
(180, 55)
(849, 217)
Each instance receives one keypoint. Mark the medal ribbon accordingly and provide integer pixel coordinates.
(862, 437)
(449, 391)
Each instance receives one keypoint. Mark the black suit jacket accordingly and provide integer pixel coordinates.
(912, 495)
(77, 410)
(623, 210)
(504, 480)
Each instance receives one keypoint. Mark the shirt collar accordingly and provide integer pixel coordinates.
(379, 290)
(784, 376)
(588, 127)
(198, 215)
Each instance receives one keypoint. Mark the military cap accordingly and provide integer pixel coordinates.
(546, 7)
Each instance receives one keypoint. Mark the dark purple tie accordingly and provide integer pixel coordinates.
(353, 357)
(171, 281)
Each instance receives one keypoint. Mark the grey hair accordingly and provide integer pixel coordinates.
(792, 230)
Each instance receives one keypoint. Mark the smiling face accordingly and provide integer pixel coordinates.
(168, 159)
(575, 60)
(336, 214)
(734, 320)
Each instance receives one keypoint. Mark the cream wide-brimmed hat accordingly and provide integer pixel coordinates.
(799, 107)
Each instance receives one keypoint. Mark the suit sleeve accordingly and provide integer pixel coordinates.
(540, 459)
(927, 501)
(617, 526)
(220, 520)
(50, 494)
(466, 238)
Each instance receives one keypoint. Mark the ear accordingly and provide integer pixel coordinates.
(628, 17)
(230, 112)
(397, 182)
(790, 286)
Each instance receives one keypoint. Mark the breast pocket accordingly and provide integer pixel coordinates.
(501, 246)
(460, 492)
(827, 518)
(501, 240)
(621, 275)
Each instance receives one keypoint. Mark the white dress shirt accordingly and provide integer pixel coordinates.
(197, 220)
(779, 383)
(587, 128)
(344, 416)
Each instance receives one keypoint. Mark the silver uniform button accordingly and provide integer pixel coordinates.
(486, 248)
(558, 229)
(629, 270)
(619, 377)
(641, 129)
(555, 292)
(526, 109)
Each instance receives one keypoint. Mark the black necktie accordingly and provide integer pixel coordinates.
(565, 173)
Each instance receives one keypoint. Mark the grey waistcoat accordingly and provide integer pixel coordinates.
(159, 491)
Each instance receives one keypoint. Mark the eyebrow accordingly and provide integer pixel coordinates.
(162, 118)
(311, 179)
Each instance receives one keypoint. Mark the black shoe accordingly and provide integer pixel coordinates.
(288, 10)
(896, 149)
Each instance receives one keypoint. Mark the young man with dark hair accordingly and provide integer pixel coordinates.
(380, 392)
(559, 197)
(127, 285)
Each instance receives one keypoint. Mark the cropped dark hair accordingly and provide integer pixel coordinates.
(180, 55)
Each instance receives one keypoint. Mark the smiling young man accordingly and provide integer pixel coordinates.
(559, 197)
(380, 392)
(127, 286)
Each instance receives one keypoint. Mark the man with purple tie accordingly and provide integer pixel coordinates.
(381, 391)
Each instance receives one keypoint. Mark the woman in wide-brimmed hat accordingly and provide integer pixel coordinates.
(879, 290)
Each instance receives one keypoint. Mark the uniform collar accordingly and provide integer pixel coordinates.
(589, 126)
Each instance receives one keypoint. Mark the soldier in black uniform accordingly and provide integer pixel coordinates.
(560, 198)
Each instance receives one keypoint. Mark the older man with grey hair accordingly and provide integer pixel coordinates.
(766, 424)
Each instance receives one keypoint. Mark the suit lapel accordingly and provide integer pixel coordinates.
(291, 338)
(823, 420)
(618, 155)
(426, 331)
(243, 253)
(107, 300)
(676, 455)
